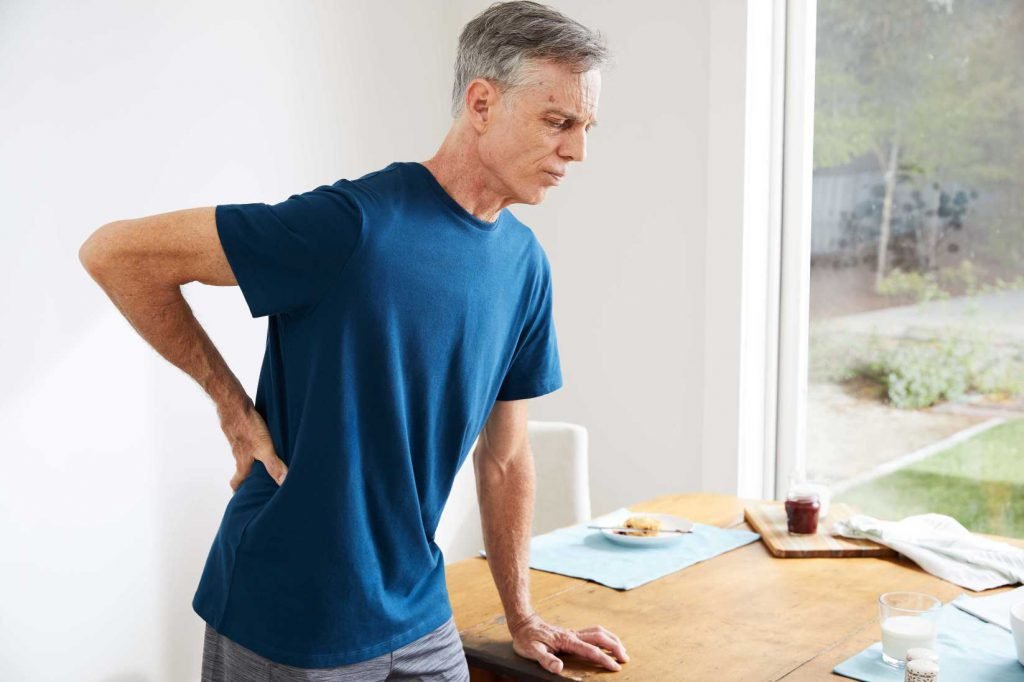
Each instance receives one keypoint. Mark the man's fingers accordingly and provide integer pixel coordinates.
(550, 662)
(259, 442)
(606, 631)
(606, 639)
(276, 468)
(590, 652)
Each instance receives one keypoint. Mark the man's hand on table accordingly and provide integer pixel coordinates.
(534, 639)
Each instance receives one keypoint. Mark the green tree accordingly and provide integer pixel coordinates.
(931, 89)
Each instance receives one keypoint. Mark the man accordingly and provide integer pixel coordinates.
(408, 311)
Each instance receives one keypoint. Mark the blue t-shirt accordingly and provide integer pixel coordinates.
(396, 319)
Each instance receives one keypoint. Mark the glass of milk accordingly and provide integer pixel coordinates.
(909, 619)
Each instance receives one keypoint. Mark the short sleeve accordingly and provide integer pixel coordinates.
(285, 255)
(535, 369)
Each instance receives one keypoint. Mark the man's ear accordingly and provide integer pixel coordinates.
(481, 99)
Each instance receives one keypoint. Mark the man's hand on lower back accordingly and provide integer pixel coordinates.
(540, 641)
(250, 440)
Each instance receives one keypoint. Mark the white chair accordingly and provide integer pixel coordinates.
(562, 495)
(563, 478)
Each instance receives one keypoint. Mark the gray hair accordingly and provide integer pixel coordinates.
(500, 42)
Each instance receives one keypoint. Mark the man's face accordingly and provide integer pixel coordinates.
(543, 128)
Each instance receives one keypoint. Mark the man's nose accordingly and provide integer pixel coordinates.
(575, 146)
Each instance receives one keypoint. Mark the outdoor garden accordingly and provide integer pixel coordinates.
(916, 348)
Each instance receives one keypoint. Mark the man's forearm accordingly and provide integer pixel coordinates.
(506, 497)
(162, 316)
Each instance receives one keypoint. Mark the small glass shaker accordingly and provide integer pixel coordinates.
(921, 670)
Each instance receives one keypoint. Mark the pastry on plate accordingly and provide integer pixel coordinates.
(644, 525)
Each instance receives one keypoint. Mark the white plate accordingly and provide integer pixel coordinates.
(668, 521)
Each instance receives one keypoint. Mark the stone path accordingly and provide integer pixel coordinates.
(1000, 316)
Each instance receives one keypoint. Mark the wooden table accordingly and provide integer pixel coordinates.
(743, 615)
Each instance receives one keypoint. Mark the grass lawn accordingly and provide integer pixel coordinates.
(979, 482)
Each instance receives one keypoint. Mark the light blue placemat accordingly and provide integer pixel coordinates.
(969, 649)
(585, 553)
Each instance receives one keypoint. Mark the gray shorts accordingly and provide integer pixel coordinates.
(437, 656)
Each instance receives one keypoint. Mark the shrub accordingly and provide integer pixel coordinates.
(912, 287)
(1003, 378)
(1002, 285)
(962, 278)
(919, 374)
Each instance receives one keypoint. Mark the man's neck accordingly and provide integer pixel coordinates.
(457, 168)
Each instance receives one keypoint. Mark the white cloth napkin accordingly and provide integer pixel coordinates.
(994, 609)
(944, 548)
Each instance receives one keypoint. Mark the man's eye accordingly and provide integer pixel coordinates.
(558, 124)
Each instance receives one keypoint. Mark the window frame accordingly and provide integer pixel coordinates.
(760, 130)
(795, 257)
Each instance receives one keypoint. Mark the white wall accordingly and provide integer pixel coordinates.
(626, 238)
(116, 471)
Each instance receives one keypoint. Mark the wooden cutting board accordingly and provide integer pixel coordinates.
(769, 519)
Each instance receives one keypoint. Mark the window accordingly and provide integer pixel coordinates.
(915, 330)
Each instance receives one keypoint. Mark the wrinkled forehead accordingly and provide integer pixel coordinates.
(555, 86)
